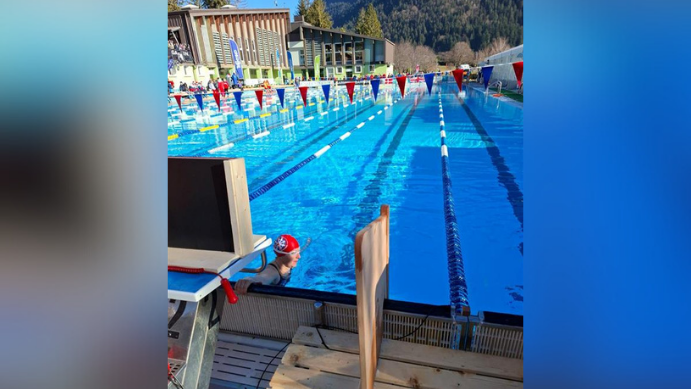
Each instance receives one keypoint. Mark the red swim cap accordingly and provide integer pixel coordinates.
(286, 244)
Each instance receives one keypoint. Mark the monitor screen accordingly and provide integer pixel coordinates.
(198, 210)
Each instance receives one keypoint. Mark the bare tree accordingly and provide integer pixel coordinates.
(461, 53)
(498, 45)
(403, 57)
(426, 58)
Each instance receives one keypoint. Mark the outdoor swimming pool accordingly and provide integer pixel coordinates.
(393, 158)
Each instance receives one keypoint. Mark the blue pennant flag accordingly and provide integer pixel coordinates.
(429, 80)
(281, 93)
(200, 100)
(236, 58)
(375, 87)
(290, 63)
(326, 88)
(486, 74)
(238, 98)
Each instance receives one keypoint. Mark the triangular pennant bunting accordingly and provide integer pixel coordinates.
(200, 100)
(518, 69)
(303, 93)
(178, 99)
(486, 74)
(375, 87)
(260, 94)
(281, 94)
(350, 87)
(238, 99)
(458, 76)
(326, 88)
(217, 97)
(429, 80)
(401, 84)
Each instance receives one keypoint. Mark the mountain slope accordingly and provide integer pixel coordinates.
(438, 23)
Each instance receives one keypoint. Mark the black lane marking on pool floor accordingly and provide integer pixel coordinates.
(370, 202)
(506, 178)
(276, 166)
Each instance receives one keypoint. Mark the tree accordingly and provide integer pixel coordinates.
(303, 6)
(461, 53)
(498, 45)
(214, 3)
(173, 5)
(368, 23)
(317, 15)
(408, 56)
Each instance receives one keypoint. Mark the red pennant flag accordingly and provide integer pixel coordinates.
(350, 86)
(177, 98)
(458, 76)
(401, 84)
(217, 97)
(260, 94)
(518, 69)
(303, 93)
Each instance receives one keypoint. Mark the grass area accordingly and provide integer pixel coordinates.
(509, 94)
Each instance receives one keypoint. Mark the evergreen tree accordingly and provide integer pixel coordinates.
(303, 6)
(214, 3)
(317, 15)
(368, 22)
(173, 5)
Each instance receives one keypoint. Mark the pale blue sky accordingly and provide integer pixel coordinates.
(292, 4)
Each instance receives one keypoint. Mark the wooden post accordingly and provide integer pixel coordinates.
(372, 285)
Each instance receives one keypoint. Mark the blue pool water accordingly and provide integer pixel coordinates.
(393, 159)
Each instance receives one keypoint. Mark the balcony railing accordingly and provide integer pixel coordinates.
(180, 54)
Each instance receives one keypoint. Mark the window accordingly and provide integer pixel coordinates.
(188, 70)
(358, 69)
(371, 68)
(339, 70)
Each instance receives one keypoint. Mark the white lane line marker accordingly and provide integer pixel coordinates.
(322, 151)
(442, 123)
(347, 134)
(371, 117)
(379, 112)
(360, 125)
(443, 134)
(309, 118)
(261, 134)
(288, 125)
(324, 113)
(336, 109)
(444, 151)
(224, 147)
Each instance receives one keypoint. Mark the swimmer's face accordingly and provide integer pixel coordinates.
(292, 259)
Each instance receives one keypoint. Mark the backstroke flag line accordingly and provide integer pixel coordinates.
(178, 99)
(238, 98)
(375, 88)
(350, 87)
(401, 84)
(326, 88)
(303, 93)
(260, 94)
(429, 80)
(236, 59)
(281, 93)
(458, 76)
(518, 69)
(486, 74)
(217, 97)
(200, 101)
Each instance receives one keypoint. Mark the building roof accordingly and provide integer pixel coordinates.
(307, 25)
(230, 11)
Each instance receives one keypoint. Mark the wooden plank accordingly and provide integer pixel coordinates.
(297, 378)
(468, 362)
(227, 337)
(239, 204)
(371, 276)
(392, 372)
